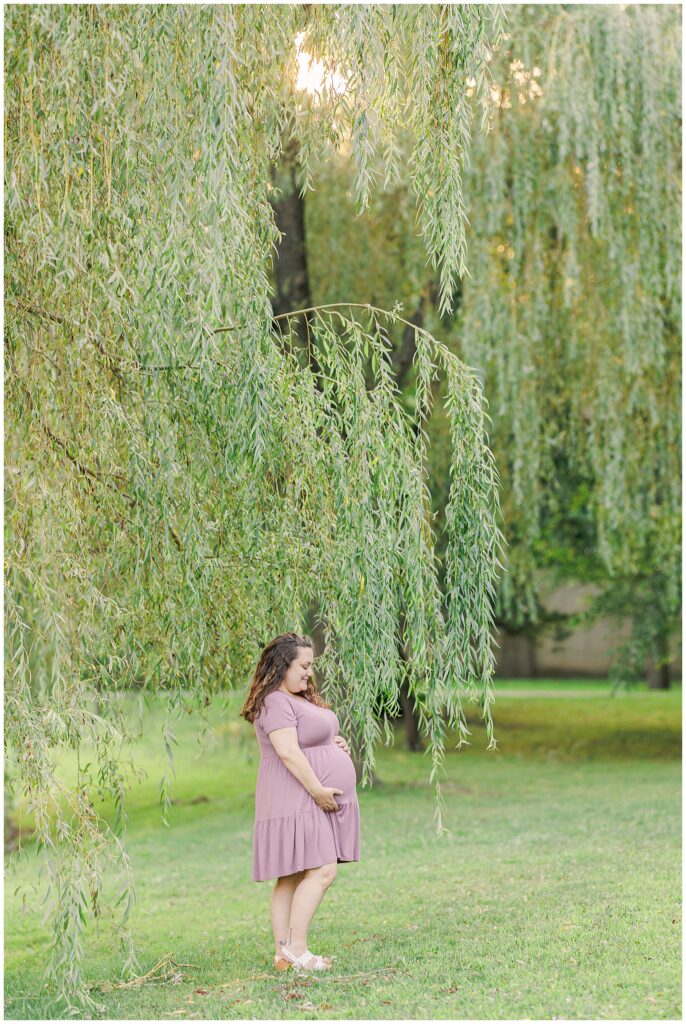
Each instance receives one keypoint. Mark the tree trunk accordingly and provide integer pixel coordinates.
(413, 739)
(291, 275)
(293, 292)
(12, 830)
(658, 675)
(290, 265)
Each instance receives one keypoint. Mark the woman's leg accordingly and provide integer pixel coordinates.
(306, 898)
(282, 895)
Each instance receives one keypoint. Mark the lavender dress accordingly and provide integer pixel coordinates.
(291, 832)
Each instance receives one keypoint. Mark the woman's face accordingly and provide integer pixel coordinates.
(299, 671)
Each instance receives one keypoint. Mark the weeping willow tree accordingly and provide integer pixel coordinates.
(180, 484)
(571, 305)
(578, 261)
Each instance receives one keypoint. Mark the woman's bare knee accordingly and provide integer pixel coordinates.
(292, 879)
(324, 874)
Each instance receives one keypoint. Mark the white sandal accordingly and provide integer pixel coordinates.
(319, 964)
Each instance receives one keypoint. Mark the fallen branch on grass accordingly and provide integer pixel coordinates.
(171, 973)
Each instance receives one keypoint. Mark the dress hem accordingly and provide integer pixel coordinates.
(339, 860)
(283, 846)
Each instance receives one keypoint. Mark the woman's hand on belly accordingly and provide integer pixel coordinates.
(324, 798)
(337, 769)
(339, 741)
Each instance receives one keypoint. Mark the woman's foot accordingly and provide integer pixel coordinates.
(281, 964)
(280, 956)
(305, 959)
(297, 951)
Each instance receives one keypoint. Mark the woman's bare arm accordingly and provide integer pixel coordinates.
(285, 743)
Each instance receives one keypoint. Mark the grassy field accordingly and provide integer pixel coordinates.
(556, 893)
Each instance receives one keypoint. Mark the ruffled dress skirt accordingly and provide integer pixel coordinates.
(291, 832)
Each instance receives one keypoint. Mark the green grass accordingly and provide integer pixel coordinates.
(556, 894)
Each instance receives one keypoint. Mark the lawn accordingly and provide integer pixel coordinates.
(556, 893)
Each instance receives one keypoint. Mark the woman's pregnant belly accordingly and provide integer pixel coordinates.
(333, 767)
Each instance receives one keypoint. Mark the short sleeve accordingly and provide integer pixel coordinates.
(276, 712)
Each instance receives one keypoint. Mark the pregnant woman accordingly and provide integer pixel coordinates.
(307, 818)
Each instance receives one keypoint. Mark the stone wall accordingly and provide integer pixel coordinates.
(587, 652)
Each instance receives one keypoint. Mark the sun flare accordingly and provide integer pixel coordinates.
(312, 76)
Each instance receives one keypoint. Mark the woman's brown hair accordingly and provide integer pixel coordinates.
(274, 662)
